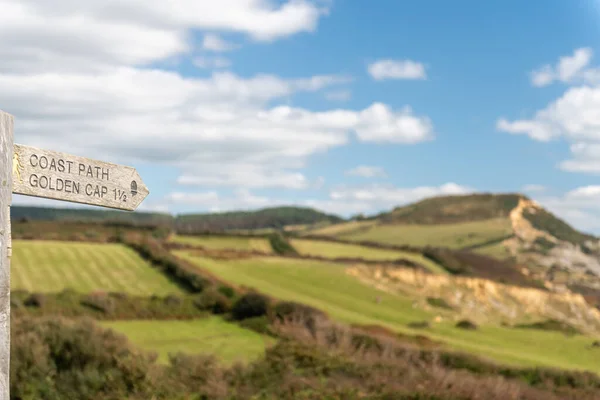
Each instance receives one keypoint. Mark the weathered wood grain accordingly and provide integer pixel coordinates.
(6, 155)
(60, 176)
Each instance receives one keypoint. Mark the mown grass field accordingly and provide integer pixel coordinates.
(445, 235)
(339, 229)
(51, 266)
(327, 287)
(229, 342)
(225, 243)
(336, 250)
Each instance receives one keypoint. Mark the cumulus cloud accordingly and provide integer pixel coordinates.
(574, 117)
(213, 42)
(367, 171)
(568, 69)
(579, 207)
(344, 201)
(379, 197)
(396, 69)
(86, 80)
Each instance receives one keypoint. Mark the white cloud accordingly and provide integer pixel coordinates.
(367, 171)
(339, 95)
(344, 201)
(212, 62)
(533, 188)
(568, 69)
(380, 197)
(574, 117)
(213, 42)
(84, 80)
(380, 124)
(397, 69)
(579, 207)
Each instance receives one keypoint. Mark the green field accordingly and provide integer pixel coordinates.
(339, 229)
(229, 342)
(226, 243)
(334, 250)
(51, 266)
(495, 250)
(327, 287)
(445, 235)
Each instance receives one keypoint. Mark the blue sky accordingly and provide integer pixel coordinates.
(248, 104)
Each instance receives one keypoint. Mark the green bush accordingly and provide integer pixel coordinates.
(100, 302)
(551, 325)
(212, 300)
(36, 300)
(250, 305)
(466, 324)
(227, 291)
(261, 324)
(419, 325)
(281, 245)
(439, 303)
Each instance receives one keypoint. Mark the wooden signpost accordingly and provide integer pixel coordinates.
(43, 173)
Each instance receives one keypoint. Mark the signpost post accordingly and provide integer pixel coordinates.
(49, 174)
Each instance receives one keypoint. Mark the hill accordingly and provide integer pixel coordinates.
(454, 209)
(273, 218)
(21, 213)
(267, 218)
(509, 227)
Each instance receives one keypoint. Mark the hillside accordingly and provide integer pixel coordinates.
(508, 227)
(20, 213)
(453, 209)
(267, 218)
(274, 218)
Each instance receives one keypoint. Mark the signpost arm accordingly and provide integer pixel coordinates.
(6, 167)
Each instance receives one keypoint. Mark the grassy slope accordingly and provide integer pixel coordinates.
(336, 250)
(456, 235)
(51, 266)
(327, 287)
(229, 342)
(339, 229)
(225, 242)
(497, 250)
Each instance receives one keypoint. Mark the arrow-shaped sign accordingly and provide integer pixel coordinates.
(52, 175)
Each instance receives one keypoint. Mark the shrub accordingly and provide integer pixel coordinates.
(280, 244)
(439, 303)
(551, 325)
(466, 324)
(419, 324)
(100, 302)
(211, 299)
(447, 259)
(36, 300)
(250, 305)
(227, 291)
(173, 300)
(257, 324)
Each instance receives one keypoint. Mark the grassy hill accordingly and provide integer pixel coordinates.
(277, 218)
(267, 218)
(453, 209)
(20, 213)
(474, 221)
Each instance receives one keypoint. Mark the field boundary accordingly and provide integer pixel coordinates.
(224, 254)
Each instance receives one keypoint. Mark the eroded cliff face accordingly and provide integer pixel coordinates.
(483, 300)
(581, 267)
